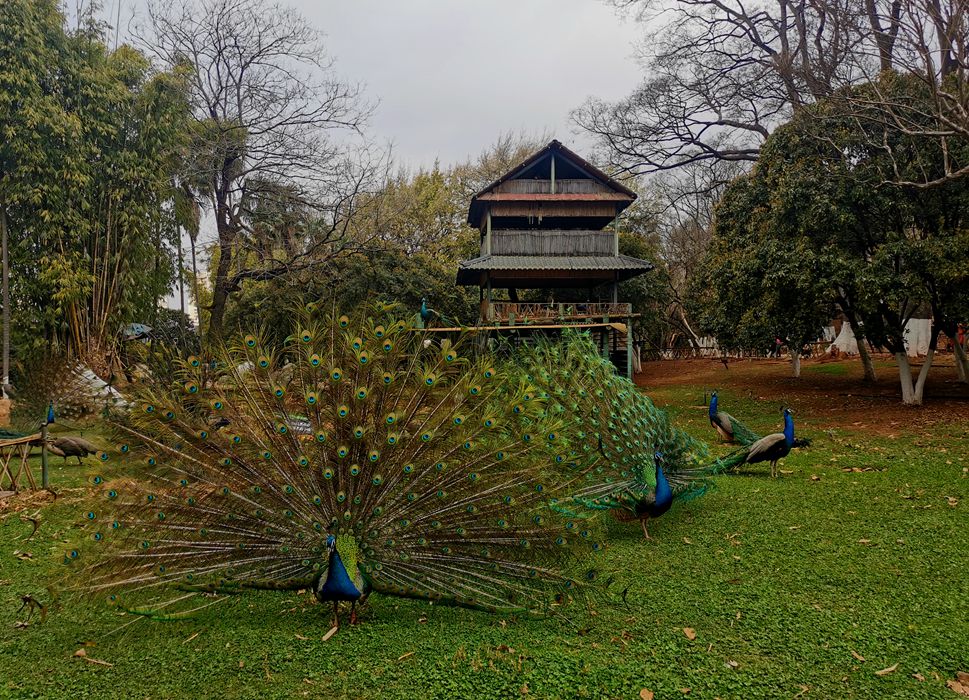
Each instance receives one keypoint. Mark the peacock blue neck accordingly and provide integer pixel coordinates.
(788, 429)
(713, 405)
(338, 584)
(664, 494)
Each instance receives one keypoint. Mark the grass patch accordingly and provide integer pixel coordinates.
(833, 369)
(781, 580)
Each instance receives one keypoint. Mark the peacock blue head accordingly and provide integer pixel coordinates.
(713, 404)
(330, 543)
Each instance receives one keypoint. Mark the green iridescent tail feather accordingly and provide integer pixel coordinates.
(615, 428)
(437, 465)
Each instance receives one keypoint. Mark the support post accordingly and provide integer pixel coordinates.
(629, 348)
(6, 301)
(488, 233)
(44, 480)
(553, 175)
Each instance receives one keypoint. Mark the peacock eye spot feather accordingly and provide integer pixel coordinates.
(327, 474)
(408, 468)
(90, 515)
(354, 470)
(112, 494)
(98, 480)
(343, 321)
(315, 360)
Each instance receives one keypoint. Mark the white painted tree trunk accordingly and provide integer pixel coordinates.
(796, 364)
(962, 364)
(912, 392)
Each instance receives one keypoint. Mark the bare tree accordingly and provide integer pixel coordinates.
(930, 50)
(273, 122)
(720, 75)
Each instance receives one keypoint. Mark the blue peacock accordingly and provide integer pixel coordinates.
(358, 457)
(633, 461)
(729, 428)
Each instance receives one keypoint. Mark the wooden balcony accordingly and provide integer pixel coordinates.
(562, 186)
(514, 313)
(551, 242)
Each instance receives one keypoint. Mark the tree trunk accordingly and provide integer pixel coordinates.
(905, 377)
(195, 286)
(796, 363)
(866, 362)
(962, 362)
(220, 288)
(912, 392)
(181, 288)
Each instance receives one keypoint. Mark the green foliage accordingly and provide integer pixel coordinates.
(774, 577)
(89, 150)
(818, 221)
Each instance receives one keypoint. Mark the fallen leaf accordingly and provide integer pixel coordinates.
(404, 656)
(686, 691)
(196, 635)
(886, 671)
(690, 633)
(687, 540)
(960, 684)
(82, 654)
(645, 694)
(302, 638)
(918, 676)
(857, 656)
(731, 664)
(329, 634)
(814, 477)
(804, 689)
(242, 664)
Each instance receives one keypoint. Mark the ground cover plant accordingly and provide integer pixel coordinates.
(844, 578)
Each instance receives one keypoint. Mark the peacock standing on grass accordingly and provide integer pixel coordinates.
(633, 461)
(773, 447)
(424, 473)
(729, 428)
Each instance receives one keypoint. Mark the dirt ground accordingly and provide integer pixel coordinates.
(832, 391)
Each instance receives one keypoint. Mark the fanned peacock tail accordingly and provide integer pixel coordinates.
(615, 430)
(433, 470)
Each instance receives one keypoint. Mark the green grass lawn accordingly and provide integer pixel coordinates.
(801, 587)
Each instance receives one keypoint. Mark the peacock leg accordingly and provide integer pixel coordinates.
(773, 469)
(645, 531)
(353, 613)
(336, 614)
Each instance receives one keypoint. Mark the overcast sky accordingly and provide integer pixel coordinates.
(451, 75)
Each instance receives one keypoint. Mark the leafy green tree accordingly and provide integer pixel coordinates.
(824, 189)
(91, 138)
(757, 286)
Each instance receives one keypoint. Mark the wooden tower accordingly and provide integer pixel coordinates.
(542, 228)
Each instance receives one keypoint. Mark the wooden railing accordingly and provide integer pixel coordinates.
(524, 313)
(551, 242)
(564, 186)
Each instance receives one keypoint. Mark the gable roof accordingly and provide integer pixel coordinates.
(554, 146)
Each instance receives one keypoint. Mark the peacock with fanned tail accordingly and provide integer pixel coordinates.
(358, 457)
(632, 460)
